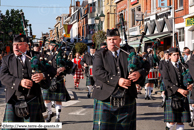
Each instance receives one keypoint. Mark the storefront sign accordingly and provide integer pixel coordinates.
(162, 3)
(134, 2)
(134, 31)
(189, 22)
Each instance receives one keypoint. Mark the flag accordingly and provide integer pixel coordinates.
(67, 28)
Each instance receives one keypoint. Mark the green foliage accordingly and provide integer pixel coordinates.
(98, 37)
(11, 22)
(80, 47)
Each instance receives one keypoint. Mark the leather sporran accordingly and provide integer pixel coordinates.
(21, 108)
(53, 86)
(117, 99)
(177, 103)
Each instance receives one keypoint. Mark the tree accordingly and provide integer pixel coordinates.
(80, 47)
(11, 22)
(98, 37)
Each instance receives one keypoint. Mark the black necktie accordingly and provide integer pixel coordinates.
(116, 54)
(20, 59)
(176, 65)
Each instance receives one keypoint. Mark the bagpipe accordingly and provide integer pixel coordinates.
(187, 78)
(62, 60)
(135, 62)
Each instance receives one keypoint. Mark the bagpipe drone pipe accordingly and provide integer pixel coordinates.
(187, 78)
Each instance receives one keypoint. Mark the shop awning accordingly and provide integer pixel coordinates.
(191, 28)
(151, 37)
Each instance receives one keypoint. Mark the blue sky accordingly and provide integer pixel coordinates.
(41, 18)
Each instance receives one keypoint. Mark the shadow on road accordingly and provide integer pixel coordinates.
(151, 118)
(75, 122)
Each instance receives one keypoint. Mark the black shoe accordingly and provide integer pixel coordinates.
(48, 119)
(167, 128)
(88, 95)
(57, 120)
(53, 105)
(191, 124)
(146, 98)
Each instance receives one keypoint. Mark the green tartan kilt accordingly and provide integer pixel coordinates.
(61, 94)
(108, 118)
(162, 86)
(171, 115)
(34, 110)
(89, 81)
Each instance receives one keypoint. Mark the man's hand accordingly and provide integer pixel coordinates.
(37, 77)
(59, 70)
(124, 83)
(85, 65)
(26, 83)
(190, 87)
(183, 92)
(134, 76)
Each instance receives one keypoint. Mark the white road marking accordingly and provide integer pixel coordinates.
(69, 103)
(3, 104)
(79, 112)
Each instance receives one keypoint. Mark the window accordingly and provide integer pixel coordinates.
(133, 17)
(108, 18)
(192, 1)
(192, 35)
(179, 4)
(91, 28)
(153, 5)
(181, 34)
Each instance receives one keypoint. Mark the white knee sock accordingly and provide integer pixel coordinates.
(48, 105)
(58, 110)
(169, 126)
(164, 96)
(149, 89)
(192, 113)
(179, 127)
(146, 91)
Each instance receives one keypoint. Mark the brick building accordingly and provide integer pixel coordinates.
(158, 22)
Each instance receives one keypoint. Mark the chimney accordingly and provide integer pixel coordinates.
(77, 3)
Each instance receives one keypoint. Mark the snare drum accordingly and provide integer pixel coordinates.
(159, 75)
(90, 70)
(153, 74)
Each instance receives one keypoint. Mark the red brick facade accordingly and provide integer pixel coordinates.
(120, 7)
(180, 13)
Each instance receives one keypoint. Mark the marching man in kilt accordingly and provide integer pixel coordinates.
(176, 110)
(111, 73)
(22, 86)
(87, 62)
(161, 66)
(149, 83)
(57, 91)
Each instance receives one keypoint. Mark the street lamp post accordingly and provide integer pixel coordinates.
(99, 21)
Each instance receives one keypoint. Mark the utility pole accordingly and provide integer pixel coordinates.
(173, 23)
